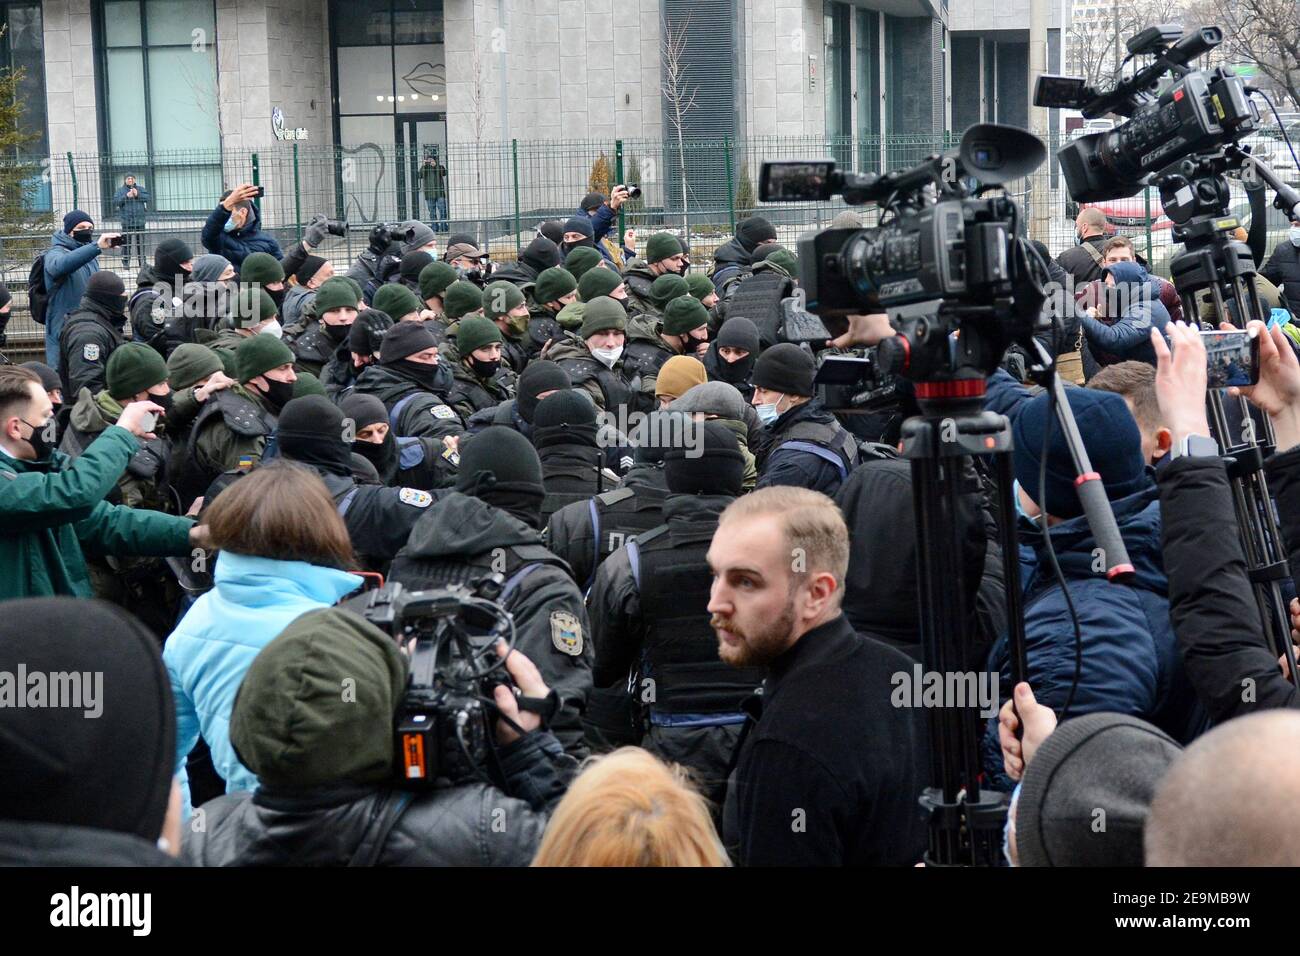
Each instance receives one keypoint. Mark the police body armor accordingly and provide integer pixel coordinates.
(692, 687)
(148, 464)
(618, 391)
(570, 482)
(521, 560)
(829, 442)
(242, 416)
(618, 516)
(644, 358)
(758, 297)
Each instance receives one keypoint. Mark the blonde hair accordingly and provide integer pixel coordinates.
(812, 523)
(631, 809)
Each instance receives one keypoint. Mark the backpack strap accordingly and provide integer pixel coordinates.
(819, 451)
(516, 579)
(1093, 251)
(595, 541)
(396, 412)
(381, 824)
(346, 503)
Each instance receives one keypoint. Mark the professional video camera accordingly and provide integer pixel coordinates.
(1201, 110)
(444, 725)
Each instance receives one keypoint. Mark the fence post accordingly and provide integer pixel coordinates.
(618, 180)
(72, 170)
(297, 194)
(257, 180)
(1146, 196)
(514, 163)
(731, 186)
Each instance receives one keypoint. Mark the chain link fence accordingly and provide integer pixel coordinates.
(499, 192)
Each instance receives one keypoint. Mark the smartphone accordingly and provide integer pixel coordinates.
(261, 191)
(1231, 358)
(117, 240)
(149, 422)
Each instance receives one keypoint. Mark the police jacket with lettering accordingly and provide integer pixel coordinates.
(412, 408)
(585, 533)
(649, 608)
(461, 539)
(809, 448)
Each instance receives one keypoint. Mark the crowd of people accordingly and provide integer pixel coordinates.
(711, 572)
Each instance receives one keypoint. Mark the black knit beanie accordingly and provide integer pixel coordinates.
(539, 376)
(310, 266)
(753, 230)
(499, 466)
(565, 418)
(310, 430)
(405, 339)
(708, 462)
(107, 289)
(785, 368)
(413, 264)
(739, 333)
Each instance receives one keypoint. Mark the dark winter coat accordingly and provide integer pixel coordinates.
(241, 243)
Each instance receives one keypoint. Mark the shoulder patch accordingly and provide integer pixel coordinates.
(442, 411)
(566, 633)
(90, 353)
(415, 497)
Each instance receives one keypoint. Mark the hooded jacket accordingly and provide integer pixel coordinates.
(1130, 661)
(729, 261)
(68, 267)
(463, 538)
(90, 335)
(50, 510)
(253, 599)
(423, 414)
(1128, 336)
(241, 243)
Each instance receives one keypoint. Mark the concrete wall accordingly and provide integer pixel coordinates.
(781, 36)
(70, 77)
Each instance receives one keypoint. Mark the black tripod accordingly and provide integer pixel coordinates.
(1196, 198)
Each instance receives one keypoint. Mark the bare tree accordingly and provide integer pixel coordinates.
(679, 94)
(1265, 33)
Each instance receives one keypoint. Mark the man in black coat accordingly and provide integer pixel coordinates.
(1283, 266)
(92, 333)
(830, 771)
(1084, 260)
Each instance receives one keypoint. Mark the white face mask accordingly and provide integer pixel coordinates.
(272, 328)
(1294, 235)
(607, 356)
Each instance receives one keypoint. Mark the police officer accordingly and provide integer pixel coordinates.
(758, 295)
(424, 463)
(564, 434)
(732, 355)
(684, 330)
(663, 255)
(158, 287)
(413, 263)
(481, 381)
(311, 431)
(195, 374)
(231, 431)
(329, 318)
(433, 281)
(91, 333)
(593, 360)
(649, 612)
(490, 525)
(506, 306)
(554, 289)
(542, 378)
(585, 533)
(264, 271)
(357, 352)
(804, 444)
(399, 303)
(412, 383)
(254, 312)
(461, 299)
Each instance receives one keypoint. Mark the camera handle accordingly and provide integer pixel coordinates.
(965, 822)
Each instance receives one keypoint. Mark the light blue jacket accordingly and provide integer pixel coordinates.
(68, 268)
(252, 601)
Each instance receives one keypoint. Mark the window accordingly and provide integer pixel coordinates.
(839, 116)
(868, 86)
(158, 89)
(22, 48)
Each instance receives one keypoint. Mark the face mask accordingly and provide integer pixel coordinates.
(426, 375)
(737, 371)
(607, 357)
(230, 225)
(163, 401)
(336, 333)
(278, 394)
(272, 328)
(377, 453)
(484, 369)
(83, 236)
(517, 324)
(1294, 235)
(767, 414)
(41, 447)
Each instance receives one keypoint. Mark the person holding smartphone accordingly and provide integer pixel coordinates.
(131, 201)
(234, 228)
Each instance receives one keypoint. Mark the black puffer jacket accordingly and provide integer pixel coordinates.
(453, 826)
(48, 844)
(1283, 270)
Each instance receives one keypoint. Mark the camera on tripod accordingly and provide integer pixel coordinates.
(1199, 111)
(444, 725)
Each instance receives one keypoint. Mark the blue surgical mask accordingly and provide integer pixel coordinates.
(1278, 317)
(230, 225)
(1294, 235)
(767, 414)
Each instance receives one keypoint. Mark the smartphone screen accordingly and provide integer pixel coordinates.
(261, 191)
(1231, 358)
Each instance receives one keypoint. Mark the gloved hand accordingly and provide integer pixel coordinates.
(315, 232)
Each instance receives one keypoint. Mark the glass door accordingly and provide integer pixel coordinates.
(423, 170)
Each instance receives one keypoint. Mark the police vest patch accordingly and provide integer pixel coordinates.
(442, 411)
(415, 497)
(90, 353)
(566, 633)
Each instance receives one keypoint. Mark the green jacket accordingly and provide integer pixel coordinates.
(53, 511)
(217, 448)
(91, 415)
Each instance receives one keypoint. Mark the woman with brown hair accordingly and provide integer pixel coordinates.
(283, 551)
(631, 809)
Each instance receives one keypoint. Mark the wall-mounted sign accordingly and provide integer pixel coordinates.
(281, 131)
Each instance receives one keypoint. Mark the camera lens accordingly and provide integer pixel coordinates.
(633, 192)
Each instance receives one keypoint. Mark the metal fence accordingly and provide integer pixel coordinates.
(500, 191)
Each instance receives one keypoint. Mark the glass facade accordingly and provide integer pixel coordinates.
(839, 93)
(22, 48)
(390, 82)
(867, 48)
(158, 95)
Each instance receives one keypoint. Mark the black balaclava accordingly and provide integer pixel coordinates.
(539, 376)
(500, 467)
(61, 767)
(107, 290)
(714, 466)
(541, 254)
(737, 333)
(367, 410)
(310, 430)
(565, 418)
(583, 225)
(167, 259)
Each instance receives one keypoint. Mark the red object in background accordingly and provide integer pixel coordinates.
(1131, 213)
